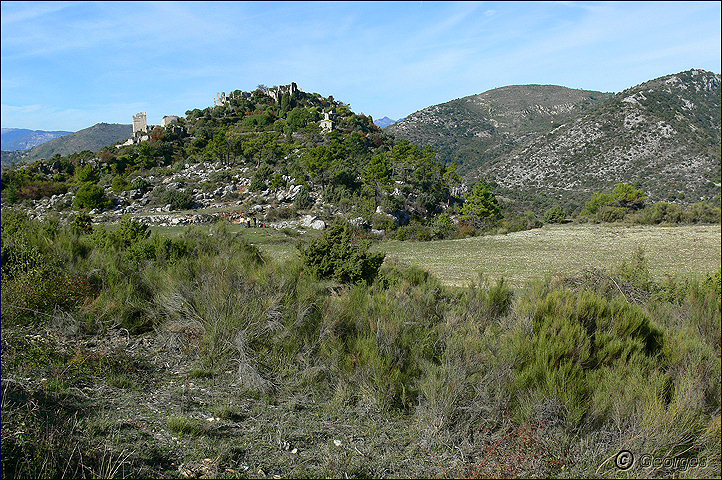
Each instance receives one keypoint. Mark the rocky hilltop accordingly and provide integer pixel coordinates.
(476, 129)
(662, 135)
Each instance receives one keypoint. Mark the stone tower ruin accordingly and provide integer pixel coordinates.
(140, 123)
(276, 92)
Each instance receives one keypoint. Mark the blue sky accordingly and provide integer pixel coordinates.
(67, 66)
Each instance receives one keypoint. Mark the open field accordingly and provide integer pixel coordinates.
(564, 249)
(522, 256)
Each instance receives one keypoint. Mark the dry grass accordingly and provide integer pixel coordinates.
(565, 249)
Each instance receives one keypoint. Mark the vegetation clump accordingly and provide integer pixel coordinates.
(341, 257)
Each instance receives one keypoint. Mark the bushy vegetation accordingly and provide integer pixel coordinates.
(485, 380)
(625, 203)
(276, 143)
(337, 255)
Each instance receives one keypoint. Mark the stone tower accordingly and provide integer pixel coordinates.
(140, 123)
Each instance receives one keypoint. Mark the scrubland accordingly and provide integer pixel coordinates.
(126, 354)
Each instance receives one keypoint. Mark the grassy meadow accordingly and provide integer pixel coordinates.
(531, 254)
(566, 249)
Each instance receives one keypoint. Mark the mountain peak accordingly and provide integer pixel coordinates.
(385, 122)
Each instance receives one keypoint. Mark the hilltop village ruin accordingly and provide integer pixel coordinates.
(141, 128)
(140, 120)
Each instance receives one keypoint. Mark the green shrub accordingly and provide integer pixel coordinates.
(177, 199)
(119, 184)
(382, 222)
(575, 335)
(610, 207)
(131, 231)
(555, 214)
(636, 272)
(257, 185)
(415, 230)
(702, 212)
(81, 223)
(260, 177)
(660, 212)
(43, 290)
(281, 213)
(442, 227)
(277, 181)
(303, 199)
(140, 183)
(92, 197)
(481, 206)
(597, 201)
(378, 340)
(610, 214)
(526, 222)
(338, 256)
(87, 174)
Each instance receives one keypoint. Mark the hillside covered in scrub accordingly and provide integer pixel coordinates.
(145, 333)
(663, 136)
(473, 130)
(263, 153)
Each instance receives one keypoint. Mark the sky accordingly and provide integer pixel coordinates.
(70, 65)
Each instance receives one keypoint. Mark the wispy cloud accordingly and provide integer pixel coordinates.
(14, 12)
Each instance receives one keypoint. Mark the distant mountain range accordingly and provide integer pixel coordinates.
(540, 140)
(24, 139)
(385, 122)
(92, 138)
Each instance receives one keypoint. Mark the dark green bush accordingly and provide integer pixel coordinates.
(660, 212)
(87, 174)
(525, 222)
(576, 334)
(177, 199)
(337, 255)
(303, 199)
(415, 230)
(119, 184)
(555, 214)
(140, 183)
(702, 212)
(382, 222)
(610, 214)
(91, 196)
(442, 227)
(81, 223)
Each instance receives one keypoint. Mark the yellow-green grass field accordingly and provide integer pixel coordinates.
(564, 249)
(522, 256)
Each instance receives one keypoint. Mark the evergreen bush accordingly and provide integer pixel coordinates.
(337, 255)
